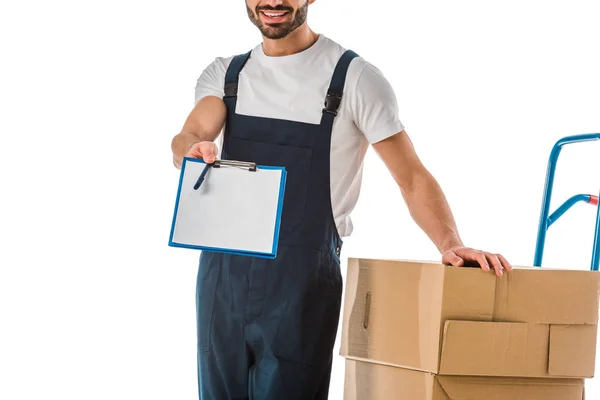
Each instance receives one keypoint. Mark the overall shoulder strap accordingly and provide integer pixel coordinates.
(233, 72)
(230, 89)
(336, 87)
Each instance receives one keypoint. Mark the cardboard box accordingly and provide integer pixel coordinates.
(368, 381)
(532, 322)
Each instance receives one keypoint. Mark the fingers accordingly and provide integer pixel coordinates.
(504, 262)
(194, 152)
(486, 260)
(470, 255)
(451, 258)
(499, 263)
(495, 261)
(207, 151)
(480, 257)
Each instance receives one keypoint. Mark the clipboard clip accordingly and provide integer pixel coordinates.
(250, 166)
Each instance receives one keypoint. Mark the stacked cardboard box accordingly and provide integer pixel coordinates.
(425, 331)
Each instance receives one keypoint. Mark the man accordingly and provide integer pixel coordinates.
(266, 328)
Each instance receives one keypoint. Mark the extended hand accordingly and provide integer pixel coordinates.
(465, 257)
(206, 150)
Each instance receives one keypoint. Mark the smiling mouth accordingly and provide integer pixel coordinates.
(274, 16)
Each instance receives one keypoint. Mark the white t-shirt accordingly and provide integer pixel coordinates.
(293, 88)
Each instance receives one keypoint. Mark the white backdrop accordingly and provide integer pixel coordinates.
(95, 305)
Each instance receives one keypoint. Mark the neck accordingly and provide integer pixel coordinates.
(299, 40)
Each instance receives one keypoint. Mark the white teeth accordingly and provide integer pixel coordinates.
(273, 14)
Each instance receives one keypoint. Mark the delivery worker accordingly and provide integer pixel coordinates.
(266, 328)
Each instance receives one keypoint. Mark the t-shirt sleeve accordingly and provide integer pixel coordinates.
(211, 80)
(374, 106)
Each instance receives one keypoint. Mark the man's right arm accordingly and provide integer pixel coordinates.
(204, 124)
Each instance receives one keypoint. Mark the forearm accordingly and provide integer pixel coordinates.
(429, 209)
(204, 123)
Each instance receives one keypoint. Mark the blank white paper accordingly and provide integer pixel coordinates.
(234, 209)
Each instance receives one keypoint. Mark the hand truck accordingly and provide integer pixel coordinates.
(547, 219)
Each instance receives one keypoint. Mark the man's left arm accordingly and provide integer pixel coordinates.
(428, 205)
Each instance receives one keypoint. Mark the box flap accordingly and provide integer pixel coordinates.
(494, 349)
(478, 388)
(392, 312)
(548, 296)
(468, 294)
(572, 350)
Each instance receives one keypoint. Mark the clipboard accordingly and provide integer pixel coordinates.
(229, 206)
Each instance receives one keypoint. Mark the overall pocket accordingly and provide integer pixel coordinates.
(297, 162)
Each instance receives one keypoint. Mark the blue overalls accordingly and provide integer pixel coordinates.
(267, 327)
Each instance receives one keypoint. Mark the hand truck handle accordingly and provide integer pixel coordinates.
(587, 198)
(546, 220)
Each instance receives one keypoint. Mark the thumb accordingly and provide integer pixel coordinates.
(450, 258)
(209, 153)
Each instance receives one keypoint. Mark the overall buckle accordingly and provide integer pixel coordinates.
(332, 101)
(230, 89)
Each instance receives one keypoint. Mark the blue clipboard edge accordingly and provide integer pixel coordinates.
(271, 255)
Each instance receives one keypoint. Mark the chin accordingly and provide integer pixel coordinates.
(274, 33)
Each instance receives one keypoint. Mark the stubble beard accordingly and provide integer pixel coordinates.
(280, 30)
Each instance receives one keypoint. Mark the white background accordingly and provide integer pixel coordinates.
(95, 305)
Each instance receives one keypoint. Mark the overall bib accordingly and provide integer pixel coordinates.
(266, 328)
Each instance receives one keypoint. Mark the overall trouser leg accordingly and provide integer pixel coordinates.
(292, 341)
(223, 357)
(266, 328)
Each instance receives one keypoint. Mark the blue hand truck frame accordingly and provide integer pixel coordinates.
(547, 219)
